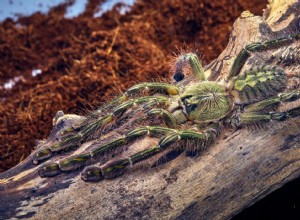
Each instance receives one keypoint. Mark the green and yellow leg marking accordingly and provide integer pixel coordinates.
(42, 155)
(152, 88)
(86, 131)
(117, 112)
(68, 164)
(166, 116)
(117, 167)
(81, 160)
(150, 101)
(68, 142)
(238, 63)
(245, 53)
(263, 117)
(140, 90)
(282, 97)
(49, 170)
(74, 162)
(120, 110)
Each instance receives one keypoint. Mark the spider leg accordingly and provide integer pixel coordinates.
(198, 140)
(245, 53)
(86, 131)
(250, 118)
(264, 104)
(117, 167)
(140, 90)
(166, 116)
(80, 160)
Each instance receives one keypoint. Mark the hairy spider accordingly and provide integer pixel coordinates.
(185, 116)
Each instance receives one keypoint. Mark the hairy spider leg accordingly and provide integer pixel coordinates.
(68, 141)
(249, 118)
(267, 103)
(140, 90)
(117, 167)
(165, 115)
(118, 112)
(73, 140)
(80, 160)
(245, 53)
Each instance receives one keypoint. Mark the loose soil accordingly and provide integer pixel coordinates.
(85, 61)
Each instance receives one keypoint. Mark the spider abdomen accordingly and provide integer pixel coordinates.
(258, 84)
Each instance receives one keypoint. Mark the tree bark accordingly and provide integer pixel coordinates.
(239, 169)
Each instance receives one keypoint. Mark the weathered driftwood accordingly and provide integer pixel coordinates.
(240, 168)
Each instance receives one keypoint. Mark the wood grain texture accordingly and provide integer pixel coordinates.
(239, 169)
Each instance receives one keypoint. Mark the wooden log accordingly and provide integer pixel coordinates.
(239, 169)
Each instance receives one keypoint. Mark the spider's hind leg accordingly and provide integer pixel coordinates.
(250, 118)
(246, 52)
(269, 103)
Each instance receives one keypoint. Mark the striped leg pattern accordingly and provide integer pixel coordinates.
(86, 131)
(114, 168)
(245, 53)
(117, 167)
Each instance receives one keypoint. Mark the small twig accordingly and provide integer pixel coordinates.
(76, 39)
(114, 37)
(113, 40)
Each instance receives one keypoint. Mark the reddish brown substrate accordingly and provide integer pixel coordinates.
(86, 60)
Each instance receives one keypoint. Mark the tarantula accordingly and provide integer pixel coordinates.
(186, 117)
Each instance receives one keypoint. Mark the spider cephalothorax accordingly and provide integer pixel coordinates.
(189, 115)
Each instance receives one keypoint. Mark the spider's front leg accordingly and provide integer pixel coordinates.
(81, 160)
(190, 140)
(142, 89)
(136, 95)
(87, 130)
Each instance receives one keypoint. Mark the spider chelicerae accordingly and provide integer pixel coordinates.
(182, 116)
